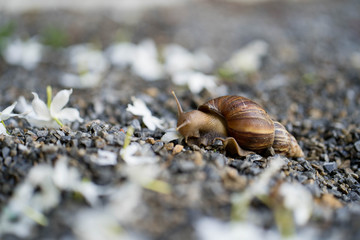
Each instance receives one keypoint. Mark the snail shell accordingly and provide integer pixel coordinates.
(285, 143)
(246, 121)
(241, 124)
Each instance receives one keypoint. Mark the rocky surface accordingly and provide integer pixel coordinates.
(113, 176)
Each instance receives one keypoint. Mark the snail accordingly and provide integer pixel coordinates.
(242, 125)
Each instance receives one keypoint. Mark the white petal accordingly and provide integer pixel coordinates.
(105, 158)
(138, 108)
(3, 130)
(7, 113)
(35, 122)
(40, 108)
(152, 122)
(171, 134)
(9, 109)
(59, 101)
(70, 114)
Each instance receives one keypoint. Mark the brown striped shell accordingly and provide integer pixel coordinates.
(285, 143)
(241, 124)
(246, 121)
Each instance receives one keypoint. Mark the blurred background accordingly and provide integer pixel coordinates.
(299, 59)
(260, 49)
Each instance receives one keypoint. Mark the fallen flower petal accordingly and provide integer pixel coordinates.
(40, 108)
(70, 114)
(59, 101)
(140, 109)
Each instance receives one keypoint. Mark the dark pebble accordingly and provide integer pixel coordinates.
(330, 166)
(354, 196)
(357, 146)
(236, 164)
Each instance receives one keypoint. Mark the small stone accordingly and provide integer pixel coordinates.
(100, 143)
(42, 133)
(7, 161)
(212, 173)
(217, 143)
(357, 146)
(343, 189)
(331, 201)
(86, 142)
(157, 146)
(136, 124)
(49, 148)
(198, 158)
(169, 146)
(354, 196)
(186, 166)
(150, 140)
(66, 138)
(301, 178)
(61, 133)
(330, 166)
(178, 148)
(5, 152)
(219, 159)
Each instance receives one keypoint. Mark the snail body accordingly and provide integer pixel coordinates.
(241, 124)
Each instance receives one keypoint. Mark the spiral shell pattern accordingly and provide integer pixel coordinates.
(246, 121)
(285, 143)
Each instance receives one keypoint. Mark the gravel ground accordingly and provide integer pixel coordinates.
(114, 176)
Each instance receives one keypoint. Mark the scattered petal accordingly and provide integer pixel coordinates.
(247, 59)
(9, 109)
(196, 81)
(3, 130)
(146, 64)
(152, 122)
(135, 154)
(59, 101)
(105, 158)
(81, 81)
(85, 58)
(179, 59)
(139, 108)
(212, 229)
(40, 108)
(7, 112)
(23, 53)
(97, 224)
(297, 199)
(122, 54)
(70, 114)
(170, 135)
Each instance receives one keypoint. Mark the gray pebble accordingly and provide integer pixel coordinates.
(157, 146)
(136, 124)
(5, 152)
(42, 133)
(60, 133)
(330, 166)
(186, 166)
(357, 146)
